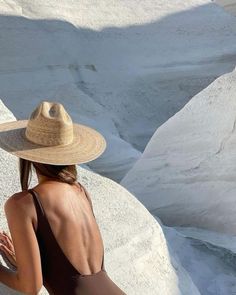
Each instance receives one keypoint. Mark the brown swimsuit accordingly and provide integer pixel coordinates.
(59, 276)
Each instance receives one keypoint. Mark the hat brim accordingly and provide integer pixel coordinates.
(88, 144)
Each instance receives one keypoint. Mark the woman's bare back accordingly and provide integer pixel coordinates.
(73, 224)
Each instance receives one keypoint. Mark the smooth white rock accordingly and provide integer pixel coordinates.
(124, 67)
(187, 173)
(208, 257)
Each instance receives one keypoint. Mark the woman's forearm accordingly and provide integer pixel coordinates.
(10, 278)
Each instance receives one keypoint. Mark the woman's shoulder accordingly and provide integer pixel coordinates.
(18, 197)
(18, 202)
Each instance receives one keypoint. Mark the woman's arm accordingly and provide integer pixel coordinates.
(9, 278)
(28, 276)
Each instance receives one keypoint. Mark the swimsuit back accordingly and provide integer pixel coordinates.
(60, 277)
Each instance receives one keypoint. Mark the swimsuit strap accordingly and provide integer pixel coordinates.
(39, 208)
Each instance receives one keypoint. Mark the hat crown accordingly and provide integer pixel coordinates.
(50, 125)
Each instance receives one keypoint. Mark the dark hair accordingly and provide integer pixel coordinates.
(63, 173)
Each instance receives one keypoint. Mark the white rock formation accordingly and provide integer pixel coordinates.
(187, 173)
(136, 252)
(208, 257)
(124, 67)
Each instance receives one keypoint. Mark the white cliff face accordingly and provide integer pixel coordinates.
(121, 67)
(136, 253)
(186, 175)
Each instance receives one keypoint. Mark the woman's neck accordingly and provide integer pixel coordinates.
(42, 178)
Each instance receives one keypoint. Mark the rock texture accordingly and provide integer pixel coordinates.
(122, 72)
(208, 257)
(136, 252)
(187, 173)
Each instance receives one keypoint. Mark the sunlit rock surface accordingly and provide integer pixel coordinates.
(187, 173)
(123, 67)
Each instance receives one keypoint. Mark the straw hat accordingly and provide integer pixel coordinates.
(50, 136)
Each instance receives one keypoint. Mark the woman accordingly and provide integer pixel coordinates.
(56, 241)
